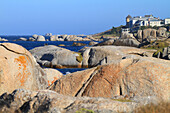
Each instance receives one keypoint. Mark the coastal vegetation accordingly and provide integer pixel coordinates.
(79, 58)
(114, 32)
(83, 110)
(158, 44)
(155, 27)
(162, 107)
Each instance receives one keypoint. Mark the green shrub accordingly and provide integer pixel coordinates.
(83, 110)
(162, 107)
(159, 50)
(122, 100)
(79, 58)
(156, 45)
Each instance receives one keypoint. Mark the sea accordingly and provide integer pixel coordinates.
(32, 44)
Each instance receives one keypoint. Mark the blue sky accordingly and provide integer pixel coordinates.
(27, 17)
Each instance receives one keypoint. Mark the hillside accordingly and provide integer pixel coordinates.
(111, 33)
(116, 31)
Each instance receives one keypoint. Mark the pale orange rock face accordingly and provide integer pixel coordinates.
(140, 76)
(17, 69)
(52, 75)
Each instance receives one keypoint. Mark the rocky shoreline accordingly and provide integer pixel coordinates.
(118, 79)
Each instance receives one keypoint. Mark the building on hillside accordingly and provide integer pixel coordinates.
(147, 20)
(125, 30)
(128, 21)
(167, 21)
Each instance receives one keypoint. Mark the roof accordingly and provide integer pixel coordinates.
(155, 20)
(128, 16)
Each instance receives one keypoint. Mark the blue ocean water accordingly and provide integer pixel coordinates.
(30, 45)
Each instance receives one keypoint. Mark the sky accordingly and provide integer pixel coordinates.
(28, 17)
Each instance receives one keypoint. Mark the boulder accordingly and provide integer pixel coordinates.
(120, 42)
(21, 39)
(163, 53)
(162, 32)
(61, 45)
(93, 43)
(19, 69)
(3, 39)
(101, 55)
(78, 79)
(31, 39)
(149, 32)
(130, 77)
(139, 35)
(57, 57)
(127, 42)
(127, 36)
(48, 34)
(52, 75)
(86, 39)
(73, 38)
(49, 101)
(64, 36)
(91, 38)
(40, 38)
(54, 38)
(35, 36)
(153, 33)
(166, 53)
(78, 44)
(106, 42)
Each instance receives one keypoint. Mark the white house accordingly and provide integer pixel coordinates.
(167, 21)
(147, 20)
(125, 30)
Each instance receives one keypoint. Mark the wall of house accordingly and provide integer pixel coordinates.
(167, 21)
(155, 23)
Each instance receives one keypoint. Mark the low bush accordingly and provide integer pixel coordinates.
(83, 110)
(162, 107)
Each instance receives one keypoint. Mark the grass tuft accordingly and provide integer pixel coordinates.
(79, 58)
(122, 100)
(162, 107)
(83, 110)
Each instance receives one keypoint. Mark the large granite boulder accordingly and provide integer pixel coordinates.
(132, 42)
(166, 53)
(21, 39)
(31, 39)
(54, 38)
(127, 42)
(127, 36)
(52, 75)
(162, 32)
(35, 36)
(106, 42)
(102, 55)
(46, 101)
(163, 53)
(40, 38)
(149, 32)
(73, 38)
(139, 35)
(92, 43)
(3, 39)
(130, 77)
(78, 44)
(56, 57)
(19, 69)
